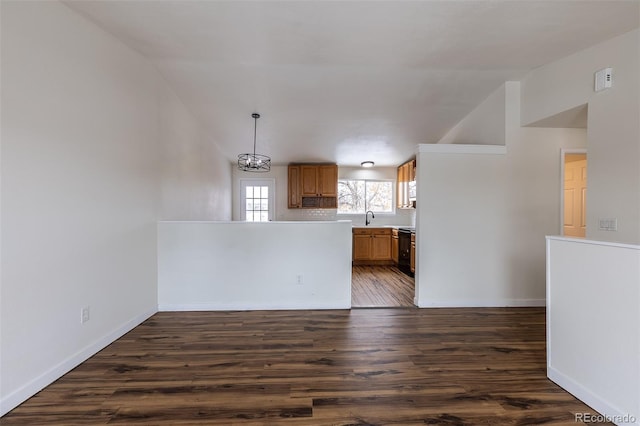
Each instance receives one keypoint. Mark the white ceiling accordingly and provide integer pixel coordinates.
(348, 81)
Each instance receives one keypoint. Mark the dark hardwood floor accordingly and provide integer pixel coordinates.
(381, 286)
(360, 367)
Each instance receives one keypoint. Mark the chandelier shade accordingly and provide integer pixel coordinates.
(254, 162)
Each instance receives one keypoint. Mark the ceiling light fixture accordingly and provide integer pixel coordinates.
(367, 164)
(254, 162)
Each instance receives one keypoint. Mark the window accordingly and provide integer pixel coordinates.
(256, 197)
(359, 196)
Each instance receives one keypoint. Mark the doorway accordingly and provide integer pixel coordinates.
(257, 200)
(381, 286)
(574, 193)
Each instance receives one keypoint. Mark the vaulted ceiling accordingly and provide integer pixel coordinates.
(348, 81)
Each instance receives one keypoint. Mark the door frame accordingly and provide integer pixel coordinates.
(563, 153)
(270, 182)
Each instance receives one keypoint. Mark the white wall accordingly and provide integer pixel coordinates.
(483, 216)
(613, 126)
(593, 323)
(196, 178)
(240, 265)
(280, 175)
(485, 125)
(461, 229)
(83, 122)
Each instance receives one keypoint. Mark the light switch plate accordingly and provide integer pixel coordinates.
(608, 224)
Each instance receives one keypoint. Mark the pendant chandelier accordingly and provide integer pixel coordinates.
(254, 162)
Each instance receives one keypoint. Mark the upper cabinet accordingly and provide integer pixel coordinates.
(328, 180)
(406, 193)
(295, 197)
(313, 186)
(309, 181)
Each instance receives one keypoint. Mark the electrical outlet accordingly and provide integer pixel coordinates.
(299, 280)
(84, 315)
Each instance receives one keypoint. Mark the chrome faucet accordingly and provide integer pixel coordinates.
(366, 220)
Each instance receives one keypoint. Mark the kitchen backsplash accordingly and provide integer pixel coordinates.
(402, 217)
(309, 214)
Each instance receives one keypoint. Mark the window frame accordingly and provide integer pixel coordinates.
(393, 197)
(268, 182)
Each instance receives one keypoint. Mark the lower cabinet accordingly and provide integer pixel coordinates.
(381, 246)
(372, 246)
(361, 246)
(394, 245)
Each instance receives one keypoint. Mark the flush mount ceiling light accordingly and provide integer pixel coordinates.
(367, 164)
(254, 162)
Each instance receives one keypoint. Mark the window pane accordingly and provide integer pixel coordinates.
(256, 204)
(379, 196)
(358, 196)
(351, 196)
(412, 190)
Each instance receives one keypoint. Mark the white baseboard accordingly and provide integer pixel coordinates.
(473, 303)
(591, 399)
(25, 392)
(176, 307)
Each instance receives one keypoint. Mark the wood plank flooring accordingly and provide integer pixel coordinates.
(360, 367)
(381, 286)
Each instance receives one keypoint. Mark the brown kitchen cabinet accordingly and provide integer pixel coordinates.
(309, 181)
(313, 186)
(328, 180)
(394, 245)
(319, 180)
(381, 246)
(406, 185)
(295, 198)
(361, 246)
(372, 246)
